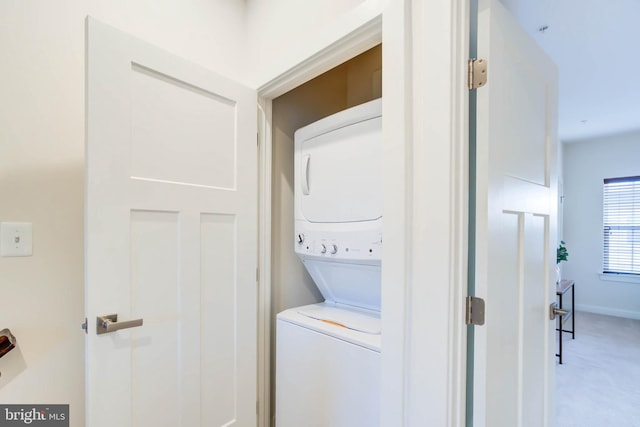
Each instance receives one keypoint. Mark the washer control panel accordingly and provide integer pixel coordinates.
(347, 246)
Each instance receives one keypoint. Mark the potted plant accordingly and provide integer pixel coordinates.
(561, 255)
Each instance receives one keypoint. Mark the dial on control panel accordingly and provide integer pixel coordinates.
(333, 249)
(323, 249)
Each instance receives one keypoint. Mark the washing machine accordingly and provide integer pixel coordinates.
(328, 354)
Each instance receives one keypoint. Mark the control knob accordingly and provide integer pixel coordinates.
(334, 249)
(300, 238)
(324, 249)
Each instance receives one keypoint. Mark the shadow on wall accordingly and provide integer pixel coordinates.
(46, 304)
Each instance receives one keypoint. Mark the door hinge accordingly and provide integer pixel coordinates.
(474, 311)
(477, 73)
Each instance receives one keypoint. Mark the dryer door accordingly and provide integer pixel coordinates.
(339, 174)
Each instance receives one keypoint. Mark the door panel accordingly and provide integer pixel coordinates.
(503, 321)
(533, 315)
(154, 285)
(516, 184)
(526, 152)
(166, 110)
(170, 238)
(219, 348)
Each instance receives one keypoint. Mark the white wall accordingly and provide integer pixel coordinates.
(42, 166)
(283, 33)
(586, 164)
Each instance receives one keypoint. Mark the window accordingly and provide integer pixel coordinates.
(621, 225)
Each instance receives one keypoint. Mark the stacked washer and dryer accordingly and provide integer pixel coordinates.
(328, 354)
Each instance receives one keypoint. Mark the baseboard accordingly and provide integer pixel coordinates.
(609, 311)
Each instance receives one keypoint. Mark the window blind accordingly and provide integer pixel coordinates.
(621, 225)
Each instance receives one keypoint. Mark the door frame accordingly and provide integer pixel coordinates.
(436, 350)
(418, 151)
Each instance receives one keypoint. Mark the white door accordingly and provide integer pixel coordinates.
(171, 231)
(515, 226)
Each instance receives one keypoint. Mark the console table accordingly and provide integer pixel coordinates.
(561, 289)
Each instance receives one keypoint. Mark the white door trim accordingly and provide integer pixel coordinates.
(363, 36)
(437, 258)
(265, 339)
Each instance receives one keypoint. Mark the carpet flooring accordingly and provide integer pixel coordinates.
(598, 384)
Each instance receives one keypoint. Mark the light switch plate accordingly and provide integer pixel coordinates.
(16, 239)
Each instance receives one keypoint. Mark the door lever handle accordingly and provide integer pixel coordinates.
(109, 323)
(554, 311)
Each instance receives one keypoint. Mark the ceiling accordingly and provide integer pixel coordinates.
(596, 46)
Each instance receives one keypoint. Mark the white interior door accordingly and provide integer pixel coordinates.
(516, 187)
(171, 217)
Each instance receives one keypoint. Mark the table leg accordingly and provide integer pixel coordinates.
(573, 312)
(560, 331)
